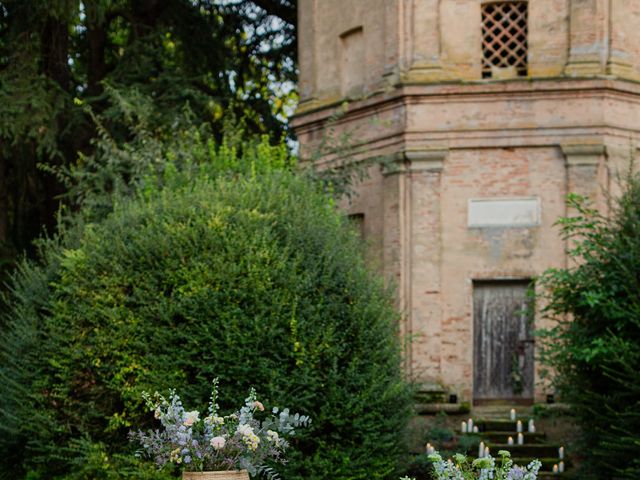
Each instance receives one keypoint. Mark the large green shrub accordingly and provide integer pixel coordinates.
(595, 347)
(255, 280)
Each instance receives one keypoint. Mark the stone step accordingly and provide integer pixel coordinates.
(435, 408)
(534, 450)
(494, 429)
(503, 437)
(430, 392)
(500, 425)
(501, 412)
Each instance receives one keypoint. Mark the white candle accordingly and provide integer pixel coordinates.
(481, 450)
(513, 414)
(463, 427)
(475, 429)
(519, 426)
(486, 451)
(429, 449)
(470, 425)
(510, 441)
(561, 467)
(561, 453)
(555, 469)
(520, 439)
(532, 426)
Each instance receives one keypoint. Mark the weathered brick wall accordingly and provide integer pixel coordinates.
(442, 136)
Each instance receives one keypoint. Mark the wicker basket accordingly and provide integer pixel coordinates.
(221, 475)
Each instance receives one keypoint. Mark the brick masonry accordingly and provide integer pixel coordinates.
(442, 136)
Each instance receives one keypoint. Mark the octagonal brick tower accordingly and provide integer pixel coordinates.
(482, 116)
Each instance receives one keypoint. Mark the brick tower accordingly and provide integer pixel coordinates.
(487, 114)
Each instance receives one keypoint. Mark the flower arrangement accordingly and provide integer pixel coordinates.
(238, 441)
(486, 468)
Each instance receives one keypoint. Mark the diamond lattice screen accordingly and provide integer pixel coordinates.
(504, 37)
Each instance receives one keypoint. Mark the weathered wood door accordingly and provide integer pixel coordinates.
(503, 350)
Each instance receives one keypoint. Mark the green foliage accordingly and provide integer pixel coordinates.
(253, 278)
(339, 161)
(155, 156)
(594, 348)
(443, 439)
(94, 462)
(60, 58)
(420, 468)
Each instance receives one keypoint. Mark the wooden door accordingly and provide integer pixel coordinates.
(503, 342)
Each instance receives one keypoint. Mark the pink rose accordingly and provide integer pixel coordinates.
(190, 418)
(258, 405)
(218, 442)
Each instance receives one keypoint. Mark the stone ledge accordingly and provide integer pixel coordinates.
(319, 109)
(435, 408)
(583, 154)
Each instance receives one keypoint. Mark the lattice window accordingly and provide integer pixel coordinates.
(504, 39)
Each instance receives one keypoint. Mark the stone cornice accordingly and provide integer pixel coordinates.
(319, 111)
(427, 160)
(583, 154)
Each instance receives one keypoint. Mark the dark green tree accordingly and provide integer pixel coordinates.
(594, 349)
(61, 59)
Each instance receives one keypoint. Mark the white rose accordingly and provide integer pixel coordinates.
(218, 442)
(190, 418)
(245, 430)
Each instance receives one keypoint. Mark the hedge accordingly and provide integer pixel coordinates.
(255, 279)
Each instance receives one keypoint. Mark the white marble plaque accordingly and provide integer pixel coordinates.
(504, 212)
